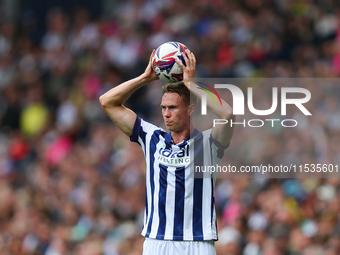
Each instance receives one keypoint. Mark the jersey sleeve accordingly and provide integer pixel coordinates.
(217, 148)
(140, 131)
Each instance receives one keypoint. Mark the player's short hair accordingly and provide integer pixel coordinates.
(182, 91)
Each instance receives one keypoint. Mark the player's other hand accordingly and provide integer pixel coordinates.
(190, 68)
(149, 73)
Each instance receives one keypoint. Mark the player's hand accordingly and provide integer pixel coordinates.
(190, 68)
(149, 73)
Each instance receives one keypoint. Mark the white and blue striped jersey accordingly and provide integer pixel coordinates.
(178, 206)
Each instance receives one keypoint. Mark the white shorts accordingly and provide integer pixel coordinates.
(170, 247)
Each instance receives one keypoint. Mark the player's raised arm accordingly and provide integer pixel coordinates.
(112, 101)
(221, 133)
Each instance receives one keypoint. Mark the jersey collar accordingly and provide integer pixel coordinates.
(168, 137)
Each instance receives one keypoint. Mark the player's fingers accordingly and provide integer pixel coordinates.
(193, 56)
(191, 60)
(151, 56)
(185, 57)
(180, 63)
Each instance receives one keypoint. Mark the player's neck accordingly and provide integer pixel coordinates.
(178, 137)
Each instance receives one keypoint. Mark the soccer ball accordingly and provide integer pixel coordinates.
(164, 64)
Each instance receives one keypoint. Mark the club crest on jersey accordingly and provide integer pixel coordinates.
(178, 158)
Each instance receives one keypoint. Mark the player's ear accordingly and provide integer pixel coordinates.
(192, 108)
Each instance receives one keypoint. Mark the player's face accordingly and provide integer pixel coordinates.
(175, 112)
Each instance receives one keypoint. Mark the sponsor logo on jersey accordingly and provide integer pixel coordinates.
(178, 158)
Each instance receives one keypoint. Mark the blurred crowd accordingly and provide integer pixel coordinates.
(72, 184)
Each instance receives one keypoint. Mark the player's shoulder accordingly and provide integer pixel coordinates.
(148, 126)
(143, 129)
(207, 136)
(207, 132)
(198, 135)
